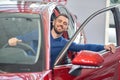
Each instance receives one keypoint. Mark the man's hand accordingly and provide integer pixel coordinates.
(110, 47)
(13, 41)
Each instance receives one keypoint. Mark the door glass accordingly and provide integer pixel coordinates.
(20, 26)
(112, 31)
(71, 29)
(115, 1)
(101, 29)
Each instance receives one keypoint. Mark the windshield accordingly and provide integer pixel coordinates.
(20, 26)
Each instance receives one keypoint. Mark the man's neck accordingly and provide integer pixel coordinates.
(55, 35)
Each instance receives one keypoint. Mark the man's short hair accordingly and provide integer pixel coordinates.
(62, 15)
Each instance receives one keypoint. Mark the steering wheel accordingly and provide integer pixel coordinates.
(23, 46)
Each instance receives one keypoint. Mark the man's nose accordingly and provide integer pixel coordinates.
(61, 23)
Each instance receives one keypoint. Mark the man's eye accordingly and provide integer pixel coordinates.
(65, 23)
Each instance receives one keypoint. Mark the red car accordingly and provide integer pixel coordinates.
(23, 17)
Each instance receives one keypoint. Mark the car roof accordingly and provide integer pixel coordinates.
(27, 7)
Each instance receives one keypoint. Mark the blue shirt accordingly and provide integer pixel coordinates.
(30, 38)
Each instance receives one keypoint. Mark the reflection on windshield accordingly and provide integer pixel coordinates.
(23, 27)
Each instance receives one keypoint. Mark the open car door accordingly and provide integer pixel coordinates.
(89, 65)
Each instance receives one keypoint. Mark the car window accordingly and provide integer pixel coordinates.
(71, 29)
(19, 25)
(112, 31)
(114, 1)
(104, 34)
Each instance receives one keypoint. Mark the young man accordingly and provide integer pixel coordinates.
(60, 24)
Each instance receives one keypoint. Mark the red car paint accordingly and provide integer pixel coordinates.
(92, 59)
(106, 68)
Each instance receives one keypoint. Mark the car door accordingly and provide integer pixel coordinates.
(110, 68)
(15, 61)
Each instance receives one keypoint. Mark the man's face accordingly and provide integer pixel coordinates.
(60, 24)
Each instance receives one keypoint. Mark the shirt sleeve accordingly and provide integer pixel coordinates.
(92, 47)
(29, 36)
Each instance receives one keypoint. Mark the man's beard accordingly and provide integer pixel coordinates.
(57, 31)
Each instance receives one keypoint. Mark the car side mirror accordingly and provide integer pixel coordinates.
(88, 58)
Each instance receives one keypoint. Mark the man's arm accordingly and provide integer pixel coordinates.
(92, 47)
(23, 38)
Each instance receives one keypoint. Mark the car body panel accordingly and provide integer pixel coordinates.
(108, 70)
(46, 75)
